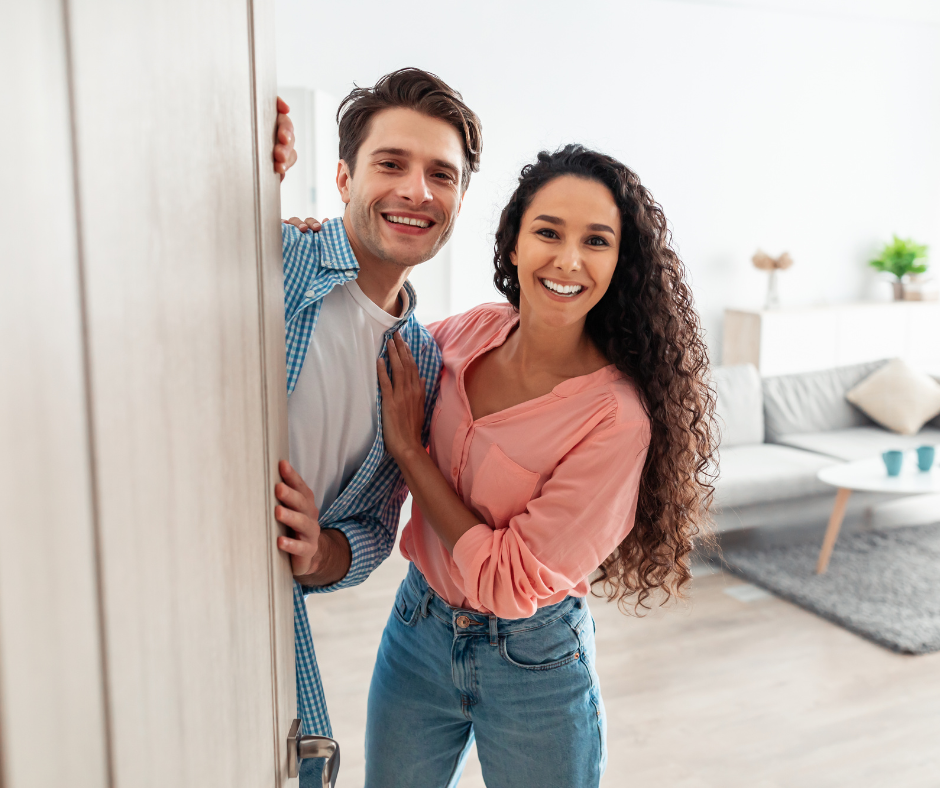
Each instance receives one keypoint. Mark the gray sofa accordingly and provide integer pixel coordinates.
(778, 432)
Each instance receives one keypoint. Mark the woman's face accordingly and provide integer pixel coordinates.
(569, 241)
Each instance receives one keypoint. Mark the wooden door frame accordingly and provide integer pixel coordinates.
(274, 396)
(54, 682)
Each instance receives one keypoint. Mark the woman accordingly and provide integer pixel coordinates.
(572, 433)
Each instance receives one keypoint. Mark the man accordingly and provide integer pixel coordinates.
(407, 147)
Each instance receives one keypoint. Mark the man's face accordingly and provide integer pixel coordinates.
(406, 192)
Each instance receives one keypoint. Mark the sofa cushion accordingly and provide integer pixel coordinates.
(814, 401)
(740, 404)
(935, 422)
(898, 397)
(765, 472)
(859, 442)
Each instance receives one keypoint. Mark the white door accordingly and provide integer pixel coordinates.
(146, 631)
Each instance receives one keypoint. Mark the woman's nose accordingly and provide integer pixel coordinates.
(569, 258)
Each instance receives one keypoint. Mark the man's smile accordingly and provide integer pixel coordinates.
(408, 224)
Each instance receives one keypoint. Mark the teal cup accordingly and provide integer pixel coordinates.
(925, 457)
(893, 460)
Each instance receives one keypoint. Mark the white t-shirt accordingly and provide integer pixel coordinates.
(332, 416)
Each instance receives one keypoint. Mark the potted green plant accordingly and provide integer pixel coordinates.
(899, 258)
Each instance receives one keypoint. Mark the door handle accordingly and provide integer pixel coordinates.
(300, 747)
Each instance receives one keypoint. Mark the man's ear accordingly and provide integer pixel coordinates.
(343, 177)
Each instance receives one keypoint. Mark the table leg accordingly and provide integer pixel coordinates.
(832, 530)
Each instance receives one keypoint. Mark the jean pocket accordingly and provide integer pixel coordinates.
(407, 606)
(546, 648)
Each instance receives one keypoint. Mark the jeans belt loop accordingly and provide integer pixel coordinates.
(425, 602)
(494, 631)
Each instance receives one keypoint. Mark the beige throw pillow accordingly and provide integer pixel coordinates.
(898, 397)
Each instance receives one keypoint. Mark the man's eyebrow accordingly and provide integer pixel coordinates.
(446, 165)
(390, 152)
(598, 228)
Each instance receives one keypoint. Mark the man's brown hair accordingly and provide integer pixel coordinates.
(410, 88)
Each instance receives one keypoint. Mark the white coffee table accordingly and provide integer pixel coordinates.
(871, 476)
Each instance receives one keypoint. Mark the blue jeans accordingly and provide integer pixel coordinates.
(526, 689)
(311, 772)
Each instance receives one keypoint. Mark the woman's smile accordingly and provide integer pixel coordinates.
(563, 290)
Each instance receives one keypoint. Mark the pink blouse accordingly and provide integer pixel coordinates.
(555, 478)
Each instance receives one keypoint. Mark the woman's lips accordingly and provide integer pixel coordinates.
(570, 295)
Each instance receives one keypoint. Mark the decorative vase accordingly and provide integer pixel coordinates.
(773, 297)
(898, 286)
(771, 265)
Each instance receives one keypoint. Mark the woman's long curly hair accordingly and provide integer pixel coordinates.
(647, 326)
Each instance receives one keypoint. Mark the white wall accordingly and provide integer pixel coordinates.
(811, 127)
(311, 188)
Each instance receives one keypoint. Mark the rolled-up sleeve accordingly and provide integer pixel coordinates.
(371, 537)
(585, 509)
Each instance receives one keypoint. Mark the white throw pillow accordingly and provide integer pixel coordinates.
(898, 397)
(740, 406)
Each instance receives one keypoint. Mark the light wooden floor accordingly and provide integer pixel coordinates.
(735, 690)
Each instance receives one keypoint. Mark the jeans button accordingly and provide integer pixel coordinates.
(463, 622)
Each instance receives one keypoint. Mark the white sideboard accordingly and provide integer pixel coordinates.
(803, 339)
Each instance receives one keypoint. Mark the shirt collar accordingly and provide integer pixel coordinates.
(337, 251)
(338, 255)
(410, 306)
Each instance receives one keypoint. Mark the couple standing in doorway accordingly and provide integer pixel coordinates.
(557, 441)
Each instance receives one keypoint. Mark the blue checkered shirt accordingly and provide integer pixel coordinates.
(368, 508)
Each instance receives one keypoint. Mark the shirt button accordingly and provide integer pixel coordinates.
(310, 294)
(463, 622)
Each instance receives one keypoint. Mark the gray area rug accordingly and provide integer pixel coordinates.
(882, 585)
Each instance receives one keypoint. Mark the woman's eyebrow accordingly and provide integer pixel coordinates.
(598, 228)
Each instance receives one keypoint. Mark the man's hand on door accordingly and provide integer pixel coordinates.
(284, 154)
(318, 557)
(300, 513)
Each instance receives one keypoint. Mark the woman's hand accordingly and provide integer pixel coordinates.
(402, 419)
(304, 225)
(402, 402)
